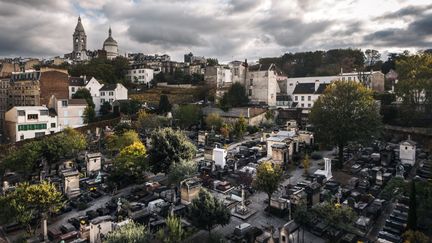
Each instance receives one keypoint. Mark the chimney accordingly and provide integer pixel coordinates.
(317, 84)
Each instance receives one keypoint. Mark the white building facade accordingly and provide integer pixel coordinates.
(140, 74)
(112, 92)
(70, 112)
(261, 84)
(24, 122)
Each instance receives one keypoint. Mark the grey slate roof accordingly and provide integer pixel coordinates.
(108, 87)
(309, 88)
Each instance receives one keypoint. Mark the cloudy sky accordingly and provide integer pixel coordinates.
(226, 29)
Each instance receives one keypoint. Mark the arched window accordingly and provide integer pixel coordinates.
(76, 40)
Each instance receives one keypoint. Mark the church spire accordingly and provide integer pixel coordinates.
(109, 31)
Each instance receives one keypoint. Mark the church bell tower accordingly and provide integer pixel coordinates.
(79, 38)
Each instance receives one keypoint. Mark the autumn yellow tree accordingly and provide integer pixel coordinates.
(28, 202)
(132, 159)
(267, 179)
(306, 164)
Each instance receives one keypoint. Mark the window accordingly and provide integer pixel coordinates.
(302, 105)
(291, 84)
(302, 98)
(22, 137)
(53, 125)
(309, 98)
(111, 100)
(251, 81)
(66, 122)
(102, 93)
(32, 116)
(349, 78)
(73, 89)
(309, 105)
(102, 101)
(64, 103)
(21, 113)
(296, 98)
(111, 93)
(65, 113)
(250, 92)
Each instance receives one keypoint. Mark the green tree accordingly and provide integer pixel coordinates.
(173, 233)
(89, 115)
(240, 127)
(345, 112)
(207, 211)
(164, 104)
(212, 62)
(64, 145)
(187, 115)
(182, 170)
(234, 97)
(393, 188)
(412, 212)
(160, 78)
(411, 236)
(268, 178)
(118, 142)
(415, 75)
(169, 147)
(31, 201)
(131, 232)
(213, 120)
(24, 159)
(132, 159)
(105, 108)
(84, 93)
(147, 122)
(336, 215)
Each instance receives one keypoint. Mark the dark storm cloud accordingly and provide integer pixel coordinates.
(292, 32)
(219, 28)
(407, 11)
(416, 34)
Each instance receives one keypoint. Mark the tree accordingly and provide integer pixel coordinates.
(371, 56)
(131, 159)
(234, 97)
(31, 201)
(182, 170)
(187, 115)
(412, 212)
(147, 122)
(117, 143)
(336, 215)
(131, 232)
(306, 164)
(214, 121)
(411, 236)
(84, 93)
(212, 62)
(207, 211)
(268, 178)
(415, 79)
(89, 115)
(130, 107)
(174, 232)
(169, 147)
(302, 217)
(23, 160)
(345, 112)
(159, 78)
(240, 127)
(105, 108)
(225, 130)
(164, 104)
(64, 145)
